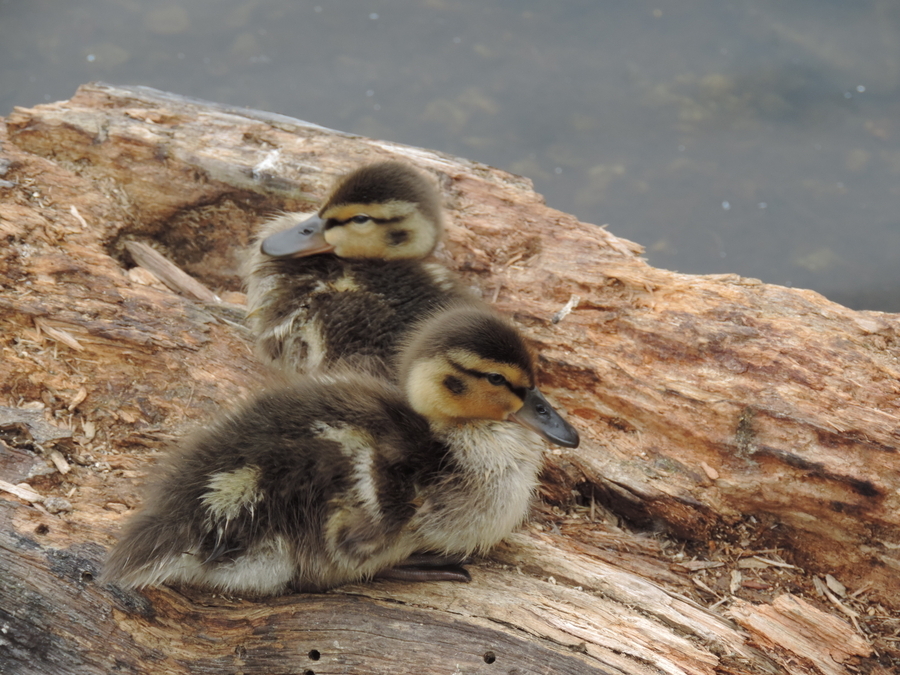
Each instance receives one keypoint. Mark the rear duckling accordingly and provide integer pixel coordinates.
(345, 284)
(343, 477)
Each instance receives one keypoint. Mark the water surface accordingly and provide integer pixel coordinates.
(757, 137)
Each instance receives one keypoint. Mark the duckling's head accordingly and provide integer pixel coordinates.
(466, 363)
(386, 210)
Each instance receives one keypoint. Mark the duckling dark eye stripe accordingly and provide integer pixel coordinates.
(334, 222)
(468, 371)
(518, 391)
(521, 392)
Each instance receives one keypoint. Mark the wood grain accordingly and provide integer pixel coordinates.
(720, 417)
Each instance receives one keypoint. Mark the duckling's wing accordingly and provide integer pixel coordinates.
(367, 518)
(358, 532)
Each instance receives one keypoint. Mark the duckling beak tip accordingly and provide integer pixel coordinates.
(303, 239)
(538, 415)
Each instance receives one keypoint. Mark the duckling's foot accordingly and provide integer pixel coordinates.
(429, 567)
(435, 560)
(425, 573)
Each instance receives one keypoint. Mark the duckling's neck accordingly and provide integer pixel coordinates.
(489, 445)
(486, 492)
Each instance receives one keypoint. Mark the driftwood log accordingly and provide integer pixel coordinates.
(734, 506)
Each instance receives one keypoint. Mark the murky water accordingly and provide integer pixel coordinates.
(759, 137)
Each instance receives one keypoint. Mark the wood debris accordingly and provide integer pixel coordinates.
(59, 461)
(22, 491)
(57, 334)
(710, 472)
(792, 624)
(566, 309)
(168, 272)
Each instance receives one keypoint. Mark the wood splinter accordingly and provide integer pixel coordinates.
(169, 273)
(566, 309)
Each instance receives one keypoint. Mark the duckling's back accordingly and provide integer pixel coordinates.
(305, 487)
(324, 312)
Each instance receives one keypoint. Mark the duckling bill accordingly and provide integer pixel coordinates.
(341, 478)
(345, 284)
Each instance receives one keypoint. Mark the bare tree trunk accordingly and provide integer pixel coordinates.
(755, 424)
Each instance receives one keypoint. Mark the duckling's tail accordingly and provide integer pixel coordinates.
(150, 552)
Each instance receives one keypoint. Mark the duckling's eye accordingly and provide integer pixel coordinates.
(496, 379)
(360, 219)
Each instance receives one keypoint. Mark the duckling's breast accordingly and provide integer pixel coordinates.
(485, 490)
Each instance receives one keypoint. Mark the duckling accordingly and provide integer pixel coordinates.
(341, 477)
(346, 283)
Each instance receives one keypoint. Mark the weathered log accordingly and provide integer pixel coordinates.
(746, 418)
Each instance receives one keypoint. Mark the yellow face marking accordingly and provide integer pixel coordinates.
(422, 239)
(372, 239)
(477, 398)
(383, 211)
(230, 491)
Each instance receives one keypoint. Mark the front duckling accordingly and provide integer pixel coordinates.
(345, 284)
(343, 477)
(469, 373)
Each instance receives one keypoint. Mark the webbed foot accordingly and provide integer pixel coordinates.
(429, 567)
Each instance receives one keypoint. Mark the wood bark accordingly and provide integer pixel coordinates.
(739, 440)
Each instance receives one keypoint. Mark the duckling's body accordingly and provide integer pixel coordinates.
(341, 477)
(344, 285)
(310, 485)
(322, 311)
